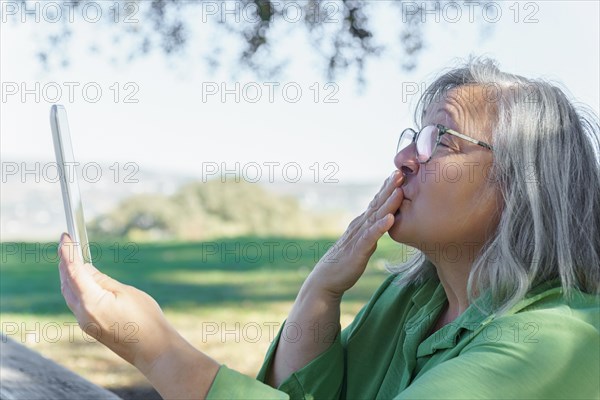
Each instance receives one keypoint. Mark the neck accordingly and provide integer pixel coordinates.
(455, 286)
(453, 276)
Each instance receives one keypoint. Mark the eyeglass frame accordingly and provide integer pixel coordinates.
(442, 130)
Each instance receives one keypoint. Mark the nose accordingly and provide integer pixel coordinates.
(406, 161)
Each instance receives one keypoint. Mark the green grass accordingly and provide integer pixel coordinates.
(226, 282)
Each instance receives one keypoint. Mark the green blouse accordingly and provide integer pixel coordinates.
(543, 348)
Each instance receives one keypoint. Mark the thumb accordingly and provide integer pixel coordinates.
(103, 280)
(69, 250)
(74, 272)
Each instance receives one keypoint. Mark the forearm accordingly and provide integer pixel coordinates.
(181, 371)
(309, 330)
(316, 312)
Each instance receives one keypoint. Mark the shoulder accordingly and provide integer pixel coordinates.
(549, 349)
(552, 312)
(546, 329)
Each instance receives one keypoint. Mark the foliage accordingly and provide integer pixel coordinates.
(340, 31)
(201, 211)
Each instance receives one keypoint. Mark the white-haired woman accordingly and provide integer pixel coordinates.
(499, 190)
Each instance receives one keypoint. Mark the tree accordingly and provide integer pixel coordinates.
(340, 31)
(209, 210)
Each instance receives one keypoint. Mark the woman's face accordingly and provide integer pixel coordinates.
(446, 201)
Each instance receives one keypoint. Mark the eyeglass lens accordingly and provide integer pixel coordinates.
(426, 141)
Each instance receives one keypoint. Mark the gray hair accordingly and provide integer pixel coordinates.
(547, 167)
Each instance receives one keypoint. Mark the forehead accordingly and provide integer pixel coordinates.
(463, 109)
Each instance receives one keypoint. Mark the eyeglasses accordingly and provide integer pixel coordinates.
(428, 138)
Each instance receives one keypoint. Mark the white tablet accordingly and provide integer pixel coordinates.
(68, 181)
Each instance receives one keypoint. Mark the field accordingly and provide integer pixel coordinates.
(227, 297)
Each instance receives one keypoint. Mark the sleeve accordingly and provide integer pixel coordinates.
(527, 357)
(322, 378)
(230, 384)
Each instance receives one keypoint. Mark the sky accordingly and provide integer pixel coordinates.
(178, 126)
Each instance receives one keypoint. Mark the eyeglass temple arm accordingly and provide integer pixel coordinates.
(470, 139)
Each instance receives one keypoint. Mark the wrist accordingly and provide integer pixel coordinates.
(315, 287)
(180, 370)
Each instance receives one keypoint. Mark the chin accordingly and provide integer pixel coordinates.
(395, 231)
(403, 231)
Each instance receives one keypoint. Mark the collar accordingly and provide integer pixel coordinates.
(477, 316)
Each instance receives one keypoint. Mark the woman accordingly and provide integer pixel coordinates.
(500, 193)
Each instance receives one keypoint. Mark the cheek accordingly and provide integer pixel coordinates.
(440, 204)
(465, 208)
(446, 202)
(429, 216)
(448, 206)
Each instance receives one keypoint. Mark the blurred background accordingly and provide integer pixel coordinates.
(222, 147)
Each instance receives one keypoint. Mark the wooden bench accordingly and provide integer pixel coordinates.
(25, 374)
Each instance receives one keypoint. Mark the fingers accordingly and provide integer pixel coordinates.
(67, 291)
(368, 240)
(77, 282)
(388, 188)
(380, 205)
(374, 232)
(392, 203)
(366, 229)
(66, 252)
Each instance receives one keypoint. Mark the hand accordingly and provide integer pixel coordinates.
(344, 263)
(126, 320)
(131, 323)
